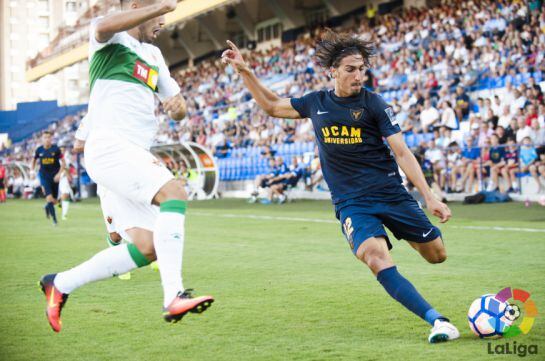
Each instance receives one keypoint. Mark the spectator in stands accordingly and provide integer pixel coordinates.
(496, 162)
(529, 161)
(262, 180)
(448, 116)
(462, 103)
(485, 132)
(429, 116)
(505, 118)
(435, 156)
(295, 173)
(511, 166)
(523, 130)
(471, 156)
(222, 149)
(537, 133)
(455, 167)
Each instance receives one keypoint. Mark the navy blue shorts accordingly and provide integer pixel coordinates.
(362, 219)
(49, 185)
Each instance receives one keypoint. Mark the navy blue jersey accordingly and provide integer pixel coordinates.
(355, 161)
(49, 159)
(278, 170)
(497, 154)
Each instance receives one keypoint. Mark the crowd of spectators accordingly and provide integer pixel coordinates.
(432, 65)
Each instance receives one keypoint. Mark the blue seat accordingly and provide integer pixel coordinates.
(410, 139)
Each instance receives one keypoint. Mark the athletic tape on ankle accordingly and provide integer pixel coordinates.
(174, 206)
(137, 256)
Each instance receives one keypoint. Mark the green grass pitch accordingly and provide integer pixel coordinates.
(285, 283)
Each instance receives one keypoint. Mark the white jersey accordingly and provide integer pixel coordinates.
(125, 75)
(83, 129)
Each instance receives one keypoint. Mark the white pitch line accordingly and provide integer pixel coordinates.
(331, 221)
(514, 229)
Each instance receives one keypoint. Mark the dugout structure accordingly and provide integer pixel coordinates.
(202, 176)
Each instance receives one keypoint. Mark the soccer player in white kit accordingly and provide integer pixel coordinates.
(126, 73)
(108, 201)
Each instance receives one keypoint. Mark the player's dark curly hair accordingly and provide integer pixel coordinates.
(333, 47)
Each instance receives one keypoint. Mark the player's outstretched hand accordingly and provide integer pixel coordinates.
(233, 57)
(439, 209)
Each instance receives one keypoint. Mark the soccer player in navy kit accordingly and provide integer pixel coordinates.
(350, 124)
(50, 159)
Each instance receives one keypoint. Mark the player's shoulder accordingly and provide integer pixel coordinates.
(154, 51)
(372, 97)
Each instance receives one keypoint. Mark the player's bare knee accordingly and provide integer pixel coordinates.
(173, 190)
(115, 237)
(437, 255)
(147, 249)
(376, 258)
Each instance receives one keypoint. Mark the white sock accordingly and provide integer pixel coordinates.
(65, 205)
(107, 263)
(168, 239)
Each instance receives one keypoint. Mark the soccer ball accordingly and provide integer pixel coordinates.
(489, 317)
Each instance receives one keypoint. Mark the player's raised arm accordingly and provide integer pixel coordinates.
(408, 163)
(117, 22)
(271, 103)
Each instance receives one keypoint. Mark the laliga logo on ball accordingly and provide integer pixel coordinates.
(493, 316)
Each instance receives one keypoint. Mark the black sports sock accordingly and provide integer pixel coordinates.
(52, 211)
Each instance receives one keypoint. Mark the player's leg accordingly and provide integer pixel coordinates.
(134, 173)
(368, 240)
(541, 170)
(533, 172)
(513, 176)
(408, 221)
(494, 175)
(168, 239)
(65, 202)
(107, 263)
(50, 189)
(505, 175)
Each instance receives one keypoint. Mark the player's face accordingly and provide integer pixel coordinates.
(349, 75)
(149, 31)
(46, 139)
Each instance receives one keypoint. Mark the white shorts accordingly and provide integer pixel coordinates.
(121, 214)
(124, 168)
(64, 186)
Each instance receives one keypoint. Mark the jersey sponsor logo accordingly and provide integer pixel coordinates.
(356, 114)
(146, 74)
(391, 115)
(48, 161)
(342, 134)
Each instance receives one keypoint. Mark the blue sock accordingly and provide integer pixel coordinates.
(404, 292)
(51, 207)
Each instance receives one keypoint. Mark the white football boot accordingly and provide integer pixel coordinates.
(443, 331)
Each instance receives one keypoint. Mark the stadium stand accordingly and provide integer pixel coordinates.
(458, 70)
